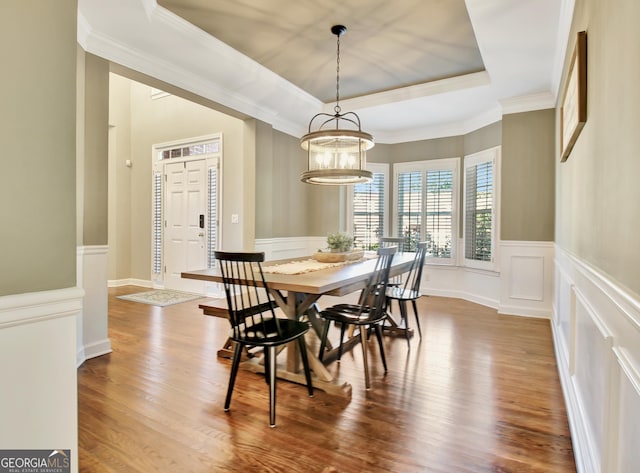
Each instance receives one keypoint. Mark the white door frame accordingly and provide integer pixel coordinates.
(213, 166)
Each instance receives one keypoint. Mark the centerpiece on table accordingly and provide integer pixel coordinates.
(339, 249)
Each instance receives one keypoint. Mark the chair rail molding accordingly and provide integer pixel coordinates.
(596, 333)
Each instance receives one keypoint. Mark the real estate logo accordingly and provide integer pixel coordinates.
(35, 461)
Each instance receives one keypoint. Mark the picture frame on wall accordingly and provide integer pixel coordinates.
(573, 111)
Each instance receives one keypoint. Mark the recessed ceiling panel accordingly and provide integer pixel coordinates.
(388, 45)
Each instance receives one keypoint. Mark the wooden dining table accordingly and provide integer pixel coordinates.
(297, 296)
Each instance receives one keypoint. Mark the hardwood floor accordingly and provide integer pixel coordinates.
(479, 393)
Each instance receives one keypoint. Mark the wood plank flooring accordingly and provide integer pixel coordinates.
(479, 393)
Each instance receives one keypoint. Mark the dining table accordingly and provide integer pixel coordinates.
(296, 285)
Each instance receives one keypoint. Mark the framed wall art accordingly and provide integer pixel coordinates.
(573, 111)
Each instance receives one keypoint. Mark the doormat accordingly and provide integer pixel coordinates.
(161, 297)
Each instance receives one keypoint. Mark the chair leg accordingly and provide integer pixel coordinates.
(378, 329)
(403, 315)
(237, 354)
(323, 340)
(363, 342)
(343, 328)
(305, 364)
(271, 360)
(387, 309)
(267, 366)
(415, 312)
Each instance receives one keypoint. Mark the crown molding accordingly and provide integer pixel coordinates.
(528, 103)
(453, 84)
(562, 42)
(84, 31)
(447, 130)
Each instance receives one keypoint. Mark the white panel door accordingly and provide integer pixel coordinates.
(185, 226)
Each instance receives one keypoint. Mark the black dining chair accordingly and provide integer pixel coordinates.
(409, 291)
(398, 242)
(368, 313)
(254, 322)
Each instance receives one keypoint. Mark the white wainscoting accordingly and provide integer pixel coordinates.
(39, 404)
(526, 278)
(481, 287)
(93, 337)
(524, 286)
(290, 247)
(596, 330)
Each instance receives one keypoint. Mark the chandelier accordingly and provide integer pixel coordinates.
(337, 149)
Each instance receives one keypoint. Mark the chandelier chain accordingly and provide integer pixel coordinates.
(337, 107)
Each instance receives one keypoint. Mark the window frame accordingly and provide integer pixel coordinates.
(376, 168)
(449, 164)
(492, 155)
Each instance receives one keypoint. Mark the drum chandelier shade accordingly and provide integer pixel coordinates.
(337, 149)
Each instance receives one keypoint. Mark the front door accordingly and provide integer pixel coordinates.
(185, 231)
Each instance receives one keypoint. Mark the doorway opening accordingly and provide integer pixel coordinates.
(185, 209)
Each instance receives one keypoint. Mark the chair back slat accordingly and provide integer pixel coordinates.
(373, 295)
(250, 305)
(414, 276)
(398, 242)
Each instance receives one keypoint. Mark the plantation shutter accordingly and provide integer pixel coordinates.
(212, 209)
(157, 222)
(409, 223)
(439, 213)
(368, 212)
(479, 211)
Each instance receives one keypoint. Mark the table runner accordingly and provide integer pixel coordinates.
(301, 267)
(309, 265)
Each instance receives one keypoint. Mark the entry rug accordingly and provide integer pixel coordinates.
(161, 297)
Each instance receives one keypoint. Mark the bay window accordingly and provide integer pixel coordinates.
(426, 195)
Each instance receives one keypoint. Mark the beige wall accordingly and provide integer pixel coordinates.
(37, 132)
(95, 149)
(597, 191)
(527, 199)
(486, 137)
(450, 147)
(282, 200)
(120, 187)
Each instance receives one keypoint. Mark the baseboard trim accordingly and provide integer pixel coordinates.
(129, 282)
(454, 294)
(525, 311)
(96, 349)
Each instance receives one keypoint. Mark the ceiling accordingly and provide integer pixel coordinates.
(411, 69)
